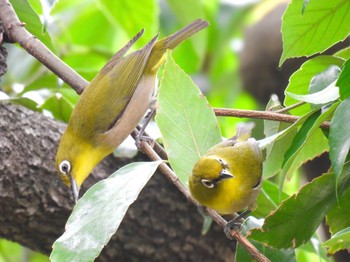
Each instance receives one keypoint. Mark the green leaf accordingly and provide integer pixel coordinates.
(344, 80)
(91, 36)
(11, 252)
(329, 94)
(49, 81)
(303, 33)
(307, 144)
(186, 12)
(274, 255)
(300, 137)
(339, 139)
(26, 102)
(339, 241)
(315, 144)
(267, 141)
(338, 217)
(269, 199)
(60, 107)
(324, 79)
(187, 123)
(296, 219)
(33, 24)
(343, 53)
(299, 82)
(69, 94)
(312, 251)
(207, 222)
(276, 150)
(134, 15)
(322, 89)
(98, 214)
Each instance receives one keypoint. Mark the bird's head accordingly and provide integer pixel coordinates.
(75, 160)
(209, 171)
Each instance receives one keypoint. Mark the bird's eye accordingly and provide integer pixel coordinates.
(65, 167)
(208, 183)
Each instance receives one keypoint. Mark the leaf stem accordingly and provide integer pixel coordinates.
(288, 108)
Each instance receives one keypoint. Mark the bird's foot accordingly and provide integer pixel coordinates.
(144, 138)
(231, 225)
(141, 135)
(234, 224)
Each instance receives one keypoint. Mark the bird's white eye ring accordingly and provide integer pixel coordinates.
(207, 183)
(65, 167)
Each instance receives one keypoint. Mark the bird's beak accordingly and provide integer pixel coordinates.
(225, 174)
(74, 188)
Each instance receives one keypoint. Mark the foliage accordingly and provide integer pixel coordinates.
(304, 28)
(320, 84)
(181, 119)
(97, 216)
(13, 252)
(317, 92)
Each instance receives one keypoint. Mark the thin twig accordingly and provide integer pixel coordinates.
(16, 32)
(267, 115)
(166, 170)
(288, 108)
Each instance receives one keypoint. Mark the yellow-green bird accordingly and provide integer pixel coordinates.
(228, 177)
(112, 105)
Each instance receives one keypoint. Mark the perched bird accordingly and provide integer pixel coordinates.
(112, 105)
(228, 177)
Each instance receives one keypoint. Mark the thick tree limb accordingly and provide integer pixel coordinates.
(34, 205)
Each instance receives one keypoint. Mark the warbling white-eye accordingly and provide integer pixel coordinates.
(112, 105)
(228, 177)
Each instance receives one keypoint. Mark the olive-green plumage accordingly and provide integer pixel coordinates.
(113, 104)
(228, 177)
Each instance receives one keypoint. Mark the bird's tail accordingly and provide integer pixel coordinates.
(170, 42)
(244, 131)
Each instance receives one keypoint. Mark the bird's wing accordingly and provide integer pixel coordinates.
(116, 58)
(104, 100)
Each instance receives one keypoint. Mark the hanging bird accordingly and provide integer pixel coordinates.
(112, 105)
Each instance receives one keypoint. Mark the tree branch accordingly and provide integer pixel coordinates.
(16, 32)
(267, 115)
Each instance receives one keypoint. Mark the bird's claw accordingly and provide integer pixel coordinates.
(231, 225)
(140, 137)
(234, 224)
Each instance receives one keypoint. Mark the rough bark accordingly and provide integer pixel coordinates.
(3, 53)
(34, 205)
